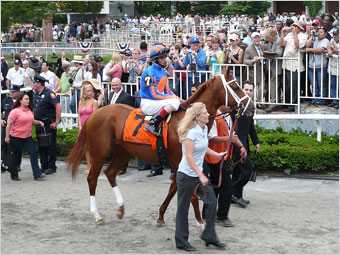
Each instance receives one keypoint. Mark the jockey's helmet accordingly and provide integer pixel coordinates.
(158, 51)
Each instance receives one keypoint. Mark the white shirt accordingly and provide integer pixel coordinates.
(115, 96)
(16, 77)
(52, 83)
(292, 52)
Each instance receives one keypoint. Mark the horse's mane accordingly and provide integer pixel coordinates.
(200, 90)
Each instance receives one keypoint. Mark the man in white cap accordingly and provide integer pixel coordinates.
(254, 54)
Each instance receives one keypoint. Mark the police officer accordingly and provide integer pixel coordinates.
(6, 107)
(47, 108)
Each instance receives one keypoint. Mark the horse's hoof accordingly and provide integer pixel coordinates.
(201, 226)
(160, 223)
(99, 222)
(120, 213)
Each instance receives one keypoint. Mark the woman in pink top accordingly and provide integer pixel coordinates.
(19, 134)
(116, 67)
(87, 105)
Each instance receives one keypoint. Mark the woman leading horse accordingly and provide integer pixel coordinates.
(103, 133)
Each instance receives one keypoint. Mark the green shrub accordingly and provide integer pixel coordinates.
(286, 152)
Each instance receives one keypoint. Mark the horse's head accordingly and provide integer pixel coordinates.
(234, 96)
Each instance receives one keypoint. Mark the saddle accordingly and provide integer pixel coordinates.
(133, 132)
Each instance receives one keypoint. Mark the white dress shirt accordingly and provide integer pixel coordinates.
(115, 96)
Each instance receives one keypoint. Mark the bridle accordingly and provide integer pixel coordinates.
(233, 94)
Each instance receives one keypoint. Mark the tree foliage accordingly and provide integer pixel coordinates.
(314, 7)
(245, 7)
(27, 11)
(185, 7)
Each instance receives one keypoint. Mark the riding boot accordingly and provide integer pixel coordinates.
(153, 124)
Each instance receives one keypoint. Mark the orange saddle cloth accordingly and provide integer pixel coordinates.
(134, 130)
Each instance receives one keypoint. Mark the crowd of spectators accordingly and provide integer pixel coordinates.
(281, 35)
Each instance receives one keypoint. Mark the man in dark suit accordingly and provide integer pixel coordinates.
(242, 171)
(119, 96)
(254, 55)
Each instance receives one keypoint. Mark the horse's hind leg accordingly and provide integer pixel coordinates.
(164, 206)
(92, 179)
(120, 158)
(195, 204)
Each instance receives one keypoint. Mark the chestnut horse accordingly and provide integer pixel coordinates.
(102, 133)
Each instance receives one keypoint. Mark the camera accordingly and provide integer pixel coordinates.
(70, 81)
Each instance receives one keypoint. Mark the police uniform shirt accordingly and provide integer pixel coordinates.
(6, 106)
(44, 104)
(16, 77)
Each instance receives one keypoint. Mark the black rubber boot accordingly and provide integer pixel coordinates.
(153, 124)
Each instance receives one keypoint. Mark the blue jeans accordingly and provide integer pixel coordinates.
(333, 88)
(16, 146)
(48, 150)
(73, 101)
(153, 167)
(318, 83)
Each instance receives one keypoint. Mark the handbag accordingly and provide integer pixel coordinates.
(7, 159)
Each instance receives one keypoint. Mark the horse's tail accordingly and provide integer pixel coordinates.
(77, 152)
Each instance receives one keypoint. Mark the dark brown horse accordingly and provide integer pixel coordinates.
(102, 133)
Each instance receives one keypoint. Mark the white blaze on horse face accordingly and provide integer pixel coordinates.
(94, 209)
(118, 195)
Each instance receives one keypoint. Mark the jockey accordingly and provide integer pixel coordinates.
(157, 98)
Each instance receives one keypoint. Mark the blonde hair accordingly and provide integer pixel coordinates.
(116, 59)
(189, 120)
(82, 93)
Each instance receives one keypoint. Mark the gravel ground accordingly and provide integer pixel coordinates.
(294, 216)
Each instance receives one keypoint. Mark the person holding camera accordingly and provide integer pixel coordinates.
(195, 60)
(215, 56)
(47, 109)
(77, 77)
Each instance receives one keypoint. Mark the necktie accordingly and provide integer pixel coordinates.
(114, 98)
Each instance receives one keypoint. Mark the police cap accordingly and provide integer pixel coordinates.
(40, 79)
(14, 88)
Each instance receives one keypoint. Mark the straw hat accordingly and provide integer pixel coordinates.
(78, 59)
(298, 23)
(94, 83)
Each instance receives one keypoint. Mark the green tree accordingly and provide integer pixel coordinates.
(207, 7)
(26, 11)
(313, 7)
(245, 7)
(162, 7)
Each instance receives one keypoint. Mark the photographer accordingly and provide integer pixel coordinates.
(77, 77)
(194, 60)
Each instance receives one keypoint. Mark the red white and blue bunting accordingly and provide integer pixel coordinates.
(122, 46)
(85, 46)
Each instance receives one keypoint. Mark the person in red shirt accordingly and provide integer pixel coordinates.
(19, 134)
(218, 141)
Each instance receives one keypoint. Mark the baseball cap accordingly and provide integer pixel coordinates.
(336, 31)
(252, 29)
(14, 88)
(233, 37)
(28, 51)
(17, 62)
(316, 22)
(194, 40)
(255, 34)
